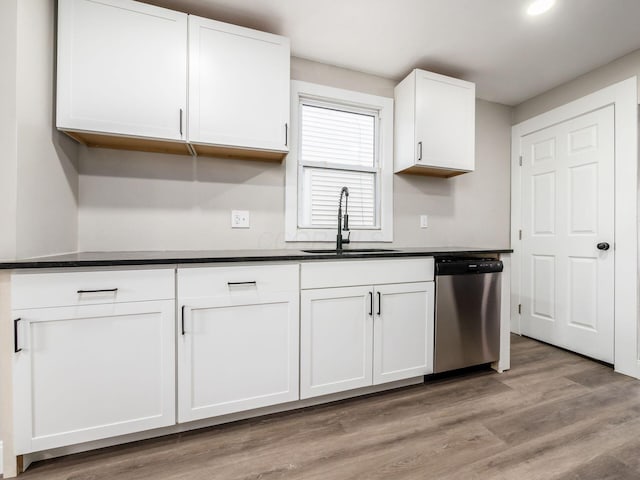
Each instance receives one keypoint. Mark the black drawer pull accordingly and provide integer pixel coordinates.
(234, 284)
(100, 290)
(379, 303)
(182, 319)
(15, 336)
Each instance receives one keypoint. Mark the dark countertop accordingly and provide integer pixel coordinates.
(108, 259)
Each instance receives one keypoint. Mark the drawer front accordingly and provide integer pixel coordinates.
(365, 272)
(59, 289)
(200, 282)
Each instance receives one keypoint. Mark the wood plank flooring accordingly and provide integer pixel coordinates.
(555, 415)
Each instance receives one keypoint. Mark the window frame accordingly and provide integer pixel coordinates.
(330, 97)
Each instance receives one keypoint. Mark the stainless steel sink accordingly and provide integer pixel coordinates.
(330, 251)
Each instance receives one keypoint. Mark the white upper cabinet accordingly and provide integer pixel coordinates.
(122, 81)
(238, 88)
(122, 70)
(434, 125)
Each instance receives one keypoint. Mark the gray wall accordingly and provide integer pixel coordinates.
(143, 201)
(8, 134)
(615, 71)
(39, 179)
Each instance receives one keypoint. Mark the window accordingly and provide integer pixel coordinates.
(339, 138)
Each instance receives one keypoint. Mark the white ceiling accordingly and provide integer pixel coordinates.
(511, 57)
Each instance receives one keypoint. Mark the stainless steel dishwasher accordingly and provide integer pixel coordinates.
(467, 319)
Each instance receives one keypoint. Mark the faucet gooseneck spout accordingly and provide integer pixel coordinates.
(339, 240)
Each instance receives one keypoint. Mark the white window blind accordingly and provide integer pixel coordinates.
(337, 136)
(337, 149)
(321, 193)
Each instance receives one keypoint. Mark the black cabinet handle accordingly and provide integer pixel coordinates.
(232, 284)
(15, 336)
(603, 246)
(419, 151)
(379, 303)
(286, 134)
(180, 122)
(371, 303)
(100, 290)
(182, 320)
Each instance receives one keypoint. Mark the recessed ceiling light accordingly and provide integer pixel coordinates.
(538, 7)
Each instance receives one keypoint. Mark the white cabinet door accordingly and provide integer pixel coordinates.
(403, 331)
(238, 86)
(445, 122)
(434, 125)
(122, 69)
(237, 353)
(336, 339)
(84, 373)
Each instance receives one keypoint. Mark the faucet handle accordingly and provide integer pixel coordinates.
(348, 239)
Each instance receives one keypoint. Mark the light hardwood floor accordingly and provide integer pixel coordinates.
(555, 415)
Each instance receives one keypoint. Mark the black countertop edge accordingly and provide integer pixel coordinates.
(112, 259)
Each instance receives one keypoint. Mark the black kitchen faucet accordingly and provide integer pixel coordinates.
(339, 240)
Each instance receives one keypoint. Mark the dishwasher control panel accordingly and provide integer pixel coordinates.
(464, 266)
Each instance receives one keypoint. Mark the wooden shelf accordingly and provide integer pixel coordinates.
(432, 172)
(238, 153)
(98, 140)
(130, 143)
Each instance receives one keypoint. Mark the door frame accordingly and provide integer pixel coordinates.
(624, 97)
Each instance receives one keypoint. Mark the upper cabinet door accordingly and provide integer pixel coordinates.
(238, 86)
(434, 125)
(122, 69)
(445, 121)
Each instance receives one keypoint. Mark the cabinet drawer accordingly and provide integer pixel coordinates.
(365, 272)
(57, 289)
(222, 281)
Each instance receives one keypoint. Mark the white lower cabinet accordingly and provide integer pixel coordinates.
(336, 333)
(238, 339)
(95, 351)
(403, 331)
(362, 335)
(88, 372)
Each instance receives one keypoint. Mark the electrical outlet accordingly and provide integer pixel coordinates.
(239, 219)
(424, 221)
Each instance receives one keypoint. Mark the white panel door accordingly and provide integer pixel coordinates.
(122, 68)
(89, 372)
(567, 210)
(237, 353)
(403, 331)
(238, 86)
(336, 339)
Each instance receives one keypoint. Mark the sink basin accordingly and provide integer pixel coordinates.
(329, 251)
